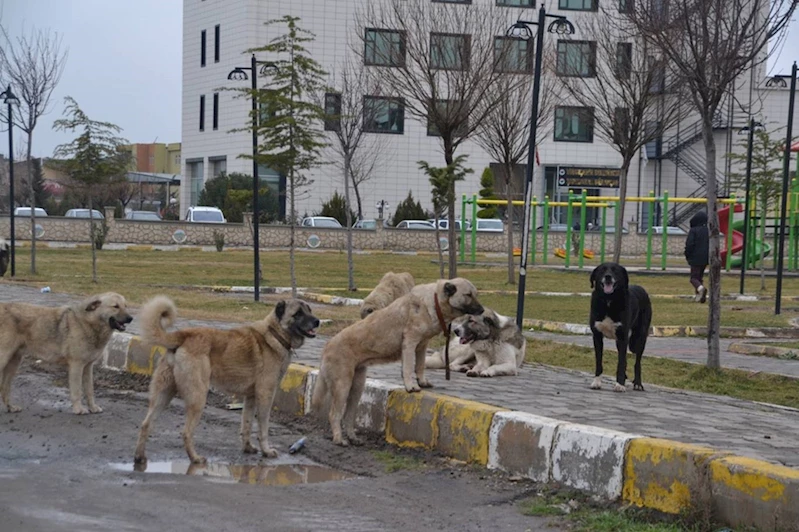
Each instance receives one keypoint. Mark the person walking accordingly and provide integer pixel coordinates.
(697, 250)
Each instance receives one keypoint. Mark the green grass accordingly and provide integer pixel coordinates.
(674, 374)
(393, 462)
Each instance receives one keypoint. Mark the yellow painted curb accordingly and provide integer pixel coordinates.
(665, 475)
(464, 429)
(411, 419)
(140, 360)
(292, 389)
(754, 478)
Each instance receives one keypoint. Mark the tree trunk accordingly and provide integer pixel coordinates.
(619, 223)
(33, 203)
(509, 215)
(453, 247)
(292, 221)
(350, 273)
(91, 239)
(357, 199)
(438, 244)
(714, 309)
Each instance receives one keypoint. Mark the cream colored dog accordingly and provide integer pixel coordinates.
(399, 331)
(392, 286)
(75, 334)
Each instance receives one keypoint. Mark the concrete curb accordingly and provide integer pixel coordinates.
(764, 350)
(665, 475)
(671, 331)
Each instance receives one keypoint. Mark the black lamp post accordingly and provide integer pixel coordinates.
(785, 179)
(240, 74)
(10, 99)
(521, 29)
(750, 130)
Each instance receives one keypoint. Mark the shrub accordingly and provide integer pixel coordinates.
(100, 232)
(219, 240)
(408, 209)
(487, 192)
(336, 208)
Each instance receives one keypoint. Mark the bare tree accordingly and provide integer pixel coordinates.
(32, 64)
(708, 45)
(626, 88)
(437, 59)
(357, 151)
(505, 132)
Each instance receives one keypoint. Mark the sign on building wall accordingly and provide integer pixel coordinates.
(585, 177)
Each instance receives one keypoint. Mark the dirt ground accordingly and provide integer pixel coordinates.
(65, 472)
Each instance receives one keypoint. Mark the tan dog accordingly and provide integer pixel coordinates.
(248, 361)
(488, 345)
(392, 286)
(74, 334)
(399, 331)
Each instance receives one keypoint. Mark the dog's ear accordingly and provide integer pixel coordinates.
(593, 276)
(625, 279)
(490, 322)
(93, 305)
(450, 289)
(280, 309)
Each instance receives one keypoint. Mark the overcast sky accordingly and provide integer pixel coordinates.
(125, 60)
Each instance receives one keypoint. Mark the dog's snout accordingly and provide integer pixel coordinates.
(477, 309)
(316, 323)
(128, 318)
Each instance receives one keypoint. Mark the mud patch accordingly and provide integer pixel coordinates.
(286, 474)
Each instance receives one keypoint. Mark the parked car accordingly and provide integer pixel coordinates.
(147, 216)
(26, 211)
(415, 224)
(210, 215)
(365, 224)
(84, 213)
(491, 225)
(321, 221)
(670, 230)
(561, 228)
(444, 223)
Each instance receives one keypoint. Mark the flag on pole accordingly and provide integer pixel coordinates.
(537, 158)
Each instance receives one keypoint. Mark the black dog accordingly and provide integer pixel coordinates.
(621, 312)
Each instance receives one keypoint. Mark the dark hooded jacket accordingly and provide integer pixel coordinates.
(697, 245)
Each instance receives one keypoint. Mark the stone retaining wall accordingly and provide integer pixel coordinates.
(59, 229)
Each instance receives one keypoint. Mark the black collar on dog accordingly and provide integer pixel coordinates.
(279, 338)
(447, 332)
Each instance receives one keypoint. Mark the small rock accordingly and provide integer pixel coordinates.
(515, 478)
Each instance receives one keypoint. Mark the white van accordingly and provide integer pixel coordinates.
(208, 215)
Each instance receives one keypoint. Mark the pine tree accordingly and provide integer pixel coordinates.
(408, 209)
(336, 207)
(487, 192)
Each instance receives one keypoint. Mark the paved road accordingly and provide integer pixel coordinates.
(762, 431)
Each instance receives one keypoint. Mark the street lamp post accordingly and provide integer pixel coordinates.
(9, 99)
(240, 74)
(521, 29)
(785, 179)
(750, 129)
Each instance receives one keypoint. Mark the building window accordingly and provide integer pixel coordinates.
(384, 48)
(574, 124)
(383, 115)
(452, 1)
(447, 113)
(216, 43)
(202, 112)
(449, 51)
(202, 48)
(624, 60)
(512, 55)
(621, 125)
(578, 5)
(657, 74)
(625, 6)
(576, 58)
(218, 165)
(516, 3)
(195, 170)
(332, 111)
(266, 110)
(216, 111)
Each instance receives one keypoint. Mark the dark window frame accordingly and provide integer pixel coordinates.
(575, 109)
(203, 42)
(529, 59)
(591, 59)
(333, 119)
(202, 112)
(215, 115)
(400, 121)
(216, 43)
(466, 2)
(367, 61)
(465, 51)
(594, 6)
(528, 4)
(624, 60)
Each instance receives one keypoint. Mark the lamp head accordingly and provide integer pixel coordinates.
(238, 74)
(561, 26)
(520, 30)
(266, 67)
(9, 97)
(777, 81)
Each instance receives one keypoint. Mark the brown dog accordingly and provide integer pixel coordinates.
(248, 361)
(399, 331)
(392, 286)
(75, 334)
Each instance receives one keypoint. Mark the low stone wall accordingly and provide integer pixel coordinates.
(58, 229)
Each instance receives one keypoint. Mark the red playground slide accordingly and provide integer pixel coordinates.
(737, 236)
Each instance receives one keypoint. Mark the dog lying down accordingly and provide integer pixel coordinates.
(486, 345)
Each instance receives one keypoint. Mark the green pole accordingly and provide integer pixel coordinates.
(727, 266)
(664, 241)
(602, 237)
(462, 249)
(792, 227)
(474, 229)
(569, 217)
(532, 231)
(545, 236)
(650, 222)
(583, 215)
(763, 239)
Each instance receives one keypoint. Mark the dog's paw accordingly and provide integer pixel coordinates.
(355, 440)
(199, 460)
(472, 373)
(462, 369)
(343, 442)
(95, 409)
(80, 410)
(248, 448)
(413, 388)
(269, 452)
(486, 374)
(619, 388)
(140, 459)
(596, 384)
(637, 386)
(13, 409)
(424, 383)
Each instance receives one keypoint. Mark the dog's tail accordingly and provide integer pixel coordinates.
(155, 316)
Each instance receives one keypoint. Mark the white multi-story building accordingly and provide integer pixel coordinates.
(217, 33)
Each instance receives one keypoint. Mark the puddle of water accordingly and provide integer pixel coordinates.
(269, 475)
